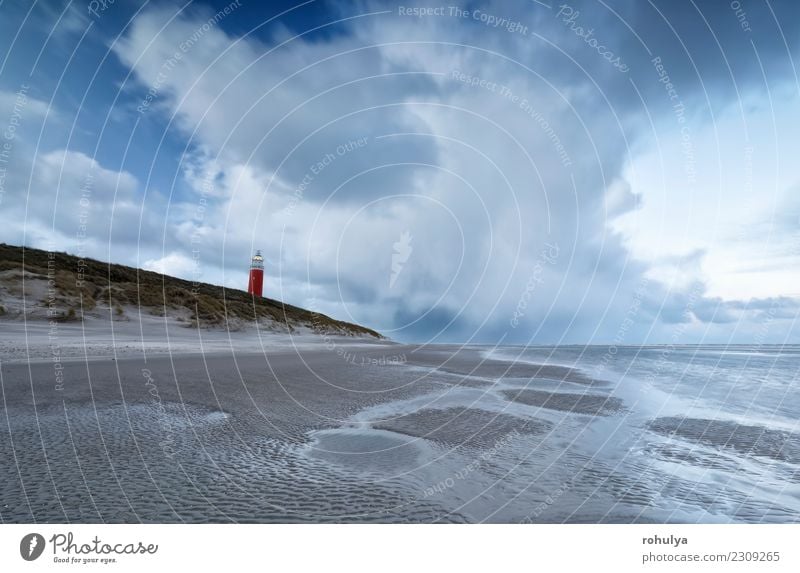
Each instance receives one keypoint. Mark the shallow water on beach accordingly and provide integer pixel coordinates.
(687, 434)
(708, 434)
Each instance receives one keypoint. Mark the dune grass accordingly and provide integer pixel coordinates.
(117, 286)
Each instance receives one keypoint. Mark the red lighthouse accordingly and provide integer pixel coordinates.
(256, 282)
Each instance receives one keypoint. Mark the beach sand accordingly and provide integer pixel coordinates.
(193, 429)
(156, 422)
(102, 424)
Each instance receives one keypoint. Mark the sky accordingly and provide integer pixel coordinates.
(515, 172)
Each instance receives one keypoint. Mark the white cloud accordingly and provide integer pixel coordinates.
(734, 211)
(173, 264)
(476, 174)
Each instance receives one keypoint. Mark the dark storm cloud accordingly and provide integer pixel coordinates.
(705, 49)
(436, 176)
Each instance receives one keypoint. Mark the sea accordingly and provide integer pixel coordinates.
(704, 433)
(646, 434)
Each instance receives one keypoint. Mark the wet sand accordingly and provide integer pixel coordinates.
(191, 438)
(284, 430)
(470, 427)
(746, 439)
(461, 362)
(590, 404)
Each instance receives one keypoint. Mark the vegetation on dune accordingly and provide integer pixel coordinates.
(91, 283)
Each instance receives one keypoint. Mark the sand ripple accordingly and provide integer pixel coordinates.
(180, 463)
(591, 404)
(752, 440)
(463, 426)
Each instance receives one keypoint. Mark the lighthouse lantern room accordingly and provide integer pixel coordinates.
(256, 282)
